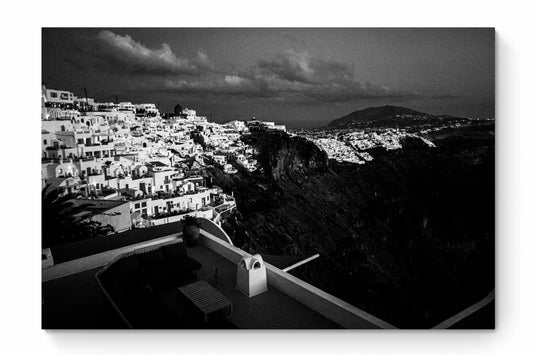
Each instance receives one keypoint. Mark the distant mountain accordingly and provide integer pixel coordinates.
(385, 116)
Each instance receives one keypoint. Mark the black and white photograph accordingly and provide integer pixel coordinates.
(268, 178)
(281, 177)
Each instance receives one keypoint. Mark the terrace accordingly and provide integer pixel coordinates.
(178, 212)
(162, 195)
(72, 298)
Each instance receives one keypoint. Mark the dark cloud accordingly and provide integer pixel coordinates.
(302, 67)
(295, 77)
(124, 54)
(292, 76)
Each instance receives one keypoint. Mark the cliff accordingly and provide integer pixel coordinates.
(408, 237)
(284, 157)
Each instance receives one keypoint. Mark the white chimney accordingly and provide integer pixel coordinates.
(251, 275)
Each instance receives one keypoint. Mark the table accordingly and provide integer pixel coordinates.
(206, 298)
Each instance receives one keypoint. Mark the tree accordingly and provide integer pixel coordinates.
(178, 110)
(198, 138)
(61, 222)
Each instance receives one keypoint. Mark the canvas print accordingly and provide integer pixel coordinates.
(268, 178)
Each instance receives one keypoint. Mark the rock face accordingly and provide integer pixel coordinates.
(284, 157)
(408, 237)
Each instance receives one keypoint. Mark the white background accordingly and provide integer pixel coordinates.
(20, 87)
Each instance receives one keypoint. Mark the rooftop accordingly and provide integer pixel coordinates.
(72, 297)
(88, 247)
(271, 309)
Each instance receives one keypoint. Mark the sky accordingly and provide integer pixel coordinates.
(301, 77)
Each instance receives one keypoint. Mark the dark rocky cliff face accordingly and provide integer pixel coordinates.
(286, 157)
(408, 237)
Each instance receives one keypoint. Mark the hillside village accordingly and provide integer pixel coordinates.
(352, 146)
(136, 167)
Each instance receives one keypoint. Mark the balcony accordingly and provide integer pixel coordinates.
(176, 213)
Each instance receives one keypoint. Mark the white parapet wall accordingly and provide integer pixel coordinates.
(320, 301)
(98, 260)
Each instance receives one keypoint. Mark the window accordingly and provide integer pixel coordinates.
(45, 142)
(53, 94)
(137, 205)
(143, 204)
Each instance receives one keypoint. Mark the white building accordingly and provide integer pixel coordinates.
(147, 109)
(126, 106)
(57, 98)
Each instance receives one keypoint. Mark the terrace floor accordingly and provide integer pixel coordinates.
(272, 309)
(77, 302)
